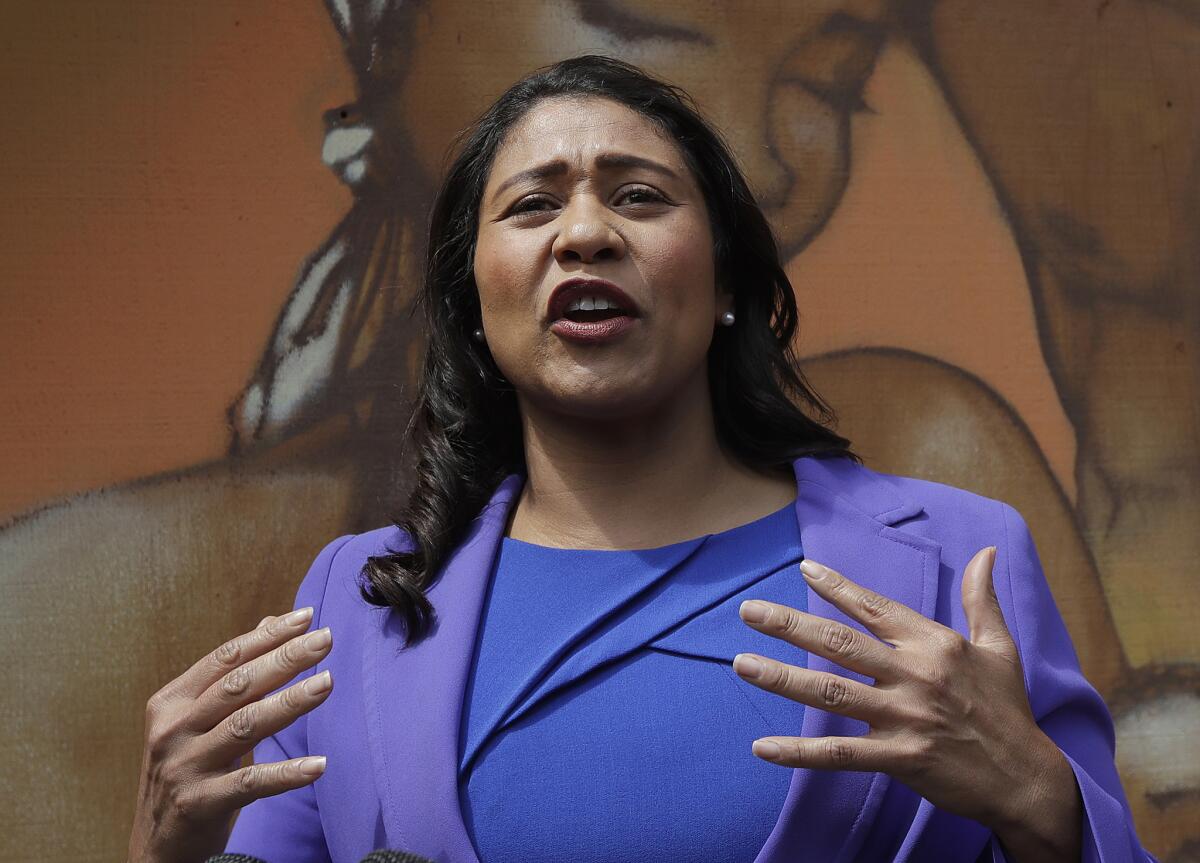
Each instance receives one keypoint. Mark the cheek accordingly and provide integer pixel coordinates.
(502, 275)
(684, 269)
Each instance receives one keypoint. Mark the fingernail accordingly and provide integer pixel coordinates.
(753, 611)
(765, 748)
(813, 570)
(300, 615)
(747, 665)
(318, 683)
(314, 765)
(318, 640)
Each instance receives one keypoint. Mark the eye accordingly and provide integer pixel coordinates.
(645, 193)
(531, 204)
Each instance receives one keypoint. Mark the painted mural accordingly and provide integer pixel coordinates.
(991, 213)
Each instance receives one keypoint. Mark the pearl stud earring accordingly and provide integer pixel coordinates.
(478, 335)
(727, 319)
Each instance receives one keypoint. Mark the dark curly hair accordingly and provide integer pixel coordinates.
(465, 427)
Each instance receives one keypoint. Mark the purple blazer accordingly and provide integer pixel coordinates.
(390, 727)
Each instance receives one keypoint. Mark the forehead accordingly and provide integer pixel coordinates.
(577, 130)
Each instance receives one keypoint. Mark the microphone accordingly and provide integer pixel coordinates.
(383, 855)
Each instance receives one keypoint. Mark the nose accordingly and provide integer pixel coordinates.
(587, 234)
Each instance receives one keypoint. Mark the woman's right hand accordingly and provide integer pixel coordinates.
(200, 725)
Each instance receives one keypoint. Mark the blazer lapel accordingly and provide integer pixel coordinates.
(415, 698)
(845, 514)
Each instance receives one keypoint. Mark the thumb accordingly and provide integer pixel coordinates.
(984, 617)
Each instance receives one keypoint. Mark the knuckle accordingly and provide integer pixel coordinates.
(242, 722)
(834, 692)
(836, 638)
(291, 699)
(236, 682)
(784, 621)
(185, 802)
(248, 780)
(227, 654)
(289, 655)
(873, 605)
(156, 707)
(839, 753)
(952, 645)
(781, 676)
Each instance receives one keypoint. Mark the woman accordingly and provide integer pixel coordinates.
(608, 425)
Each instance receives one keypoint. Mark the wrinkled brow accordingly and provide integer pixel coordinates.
(605, 161)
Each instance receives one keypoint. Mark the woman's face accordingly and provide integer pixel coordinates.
(642, 226)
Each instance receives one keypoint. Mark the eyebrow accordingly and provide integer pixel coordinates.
(558, 167)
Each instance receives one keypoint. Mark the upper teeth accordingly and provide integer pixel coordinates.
(588, 304)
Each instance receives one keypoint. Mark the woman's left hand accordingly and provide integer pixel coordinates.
(948, 716)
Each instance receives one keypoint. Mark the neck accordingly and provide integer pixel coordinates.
(637, 481)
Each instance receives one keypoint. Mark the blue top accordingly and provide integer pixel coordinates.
(646, 754)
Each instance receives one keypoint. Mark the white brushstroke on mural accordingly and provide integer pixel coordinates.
(303, 299)
(1151, 738)
(251, 406)
(341, 14)
(344, 151)
(304, 372)
(345, 143)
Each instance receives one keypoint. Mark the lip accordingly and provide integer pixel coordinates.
(571, 289)
(594, 332)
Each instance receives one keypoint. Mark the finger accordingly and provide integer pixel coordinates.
(241, 787)
(892, 621)
(827, 753)
(236, 651)
(984, 617)
(254, 679)
(242, 730)
(815, 688)
(835, 641)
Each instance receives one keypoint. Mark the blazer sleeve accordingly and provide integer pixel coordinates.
(1067, 708)
(288, 826)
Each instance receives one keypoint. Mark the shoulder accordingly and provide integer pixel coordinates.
(917, 505)
(947, 504)
(353, 549)
(333, 578)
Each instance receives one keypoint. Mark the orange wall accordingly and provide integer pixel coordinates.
(163, 181)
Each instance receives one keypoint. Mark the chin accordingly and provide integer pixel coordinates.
(604, 402)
